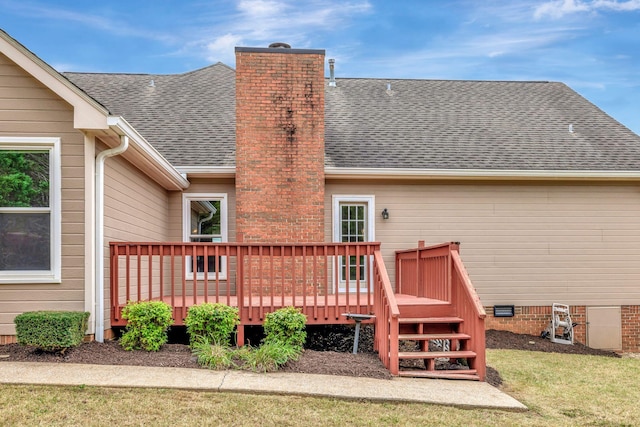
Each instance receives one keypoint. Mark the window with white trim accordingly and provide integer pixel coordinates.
(353, 221)
(30, 241)
(205, 220)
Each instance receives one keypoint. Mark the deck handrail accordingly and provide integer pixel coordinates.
(468, 287)
(387, 317)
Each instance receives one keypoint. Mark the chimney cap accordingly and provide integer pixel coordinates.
(279, 45)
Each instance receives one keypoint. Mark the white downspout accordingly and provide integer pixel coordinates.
(99, 232)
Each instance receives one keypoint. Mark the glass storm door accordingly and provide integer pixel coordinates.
(353, 228)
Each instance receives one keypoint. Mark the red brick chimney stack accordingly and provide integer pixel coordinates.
(280, 144)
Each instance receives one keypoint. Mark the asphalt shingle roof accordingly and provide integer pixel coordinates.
(418, 124)
(189, 118)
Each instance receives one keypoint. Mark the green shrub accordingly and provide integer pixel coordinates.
(211, 323)
(51, 330)
(285, 326)
(147, 325)
(213, 355)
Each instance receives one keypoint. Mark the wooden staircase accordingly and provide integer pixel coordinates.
(432, 326)
(437, 346)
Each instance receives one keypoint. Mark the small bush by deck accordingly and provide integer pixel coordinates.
(147, 326)
(51, 330)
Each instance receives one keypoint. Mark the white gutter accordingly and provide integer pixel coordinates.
(371, 173)
(143, 148)
(99, 231)
(424, 174)
(208, 171)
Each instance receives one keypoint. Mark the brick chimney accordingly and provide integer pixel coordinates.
(279, 144)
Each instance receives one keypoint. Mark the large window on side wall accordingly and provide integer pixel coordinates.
(353, 221)
(205, 220)
(30, 239)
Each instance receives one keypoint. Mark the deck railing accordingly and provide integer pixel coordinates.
(469, 307)
(387, 315)
(438, 272)
(325, 280)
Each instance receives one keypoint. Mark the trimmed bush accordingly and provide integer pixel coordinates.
(285, 326)
(51, 330)
(148, 322)
(211, 323)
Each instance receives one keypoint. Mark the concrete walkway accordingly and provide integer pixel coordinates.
(441, 392)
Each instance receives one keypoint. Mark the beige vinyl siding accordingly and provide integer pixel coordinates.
(209, 186)
(28, 109)
(523, 244)
(204, 185)
(136, 209)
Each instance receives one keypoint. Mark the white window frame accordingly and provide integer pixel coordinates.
(187, 198)
(337, 200)
(52, 145)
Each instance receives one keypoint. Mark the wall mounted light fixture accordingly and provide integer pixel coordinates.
(385, 213)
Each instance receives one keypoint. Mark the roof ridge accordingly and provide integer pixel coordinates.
(98, 73)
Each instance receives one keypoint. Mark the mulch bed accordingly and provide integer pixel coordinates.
(338, 361)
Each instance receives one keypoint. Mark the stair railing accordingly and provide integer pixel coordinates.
(387, 316)
(469, 307)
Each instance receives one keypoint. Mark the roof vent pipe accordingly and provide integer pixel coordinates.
(279, 45)
(332, 77)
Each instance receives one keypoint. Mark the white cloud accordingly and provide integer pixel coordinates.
(558, 8)
(222, 48)
(261, 22)
(264, 21)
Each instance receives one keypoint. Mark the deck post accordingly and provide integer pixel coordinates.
(240, 335)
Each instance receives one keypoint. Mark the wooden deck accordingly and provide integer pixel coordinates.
(434, 302)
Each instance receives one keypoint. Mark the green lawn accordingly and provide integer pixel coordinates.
(563, 390)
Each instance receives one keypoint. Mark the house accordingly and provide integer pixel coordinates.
(273, 162)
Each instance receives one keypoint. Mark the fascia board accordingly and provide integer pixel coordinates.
(142, 151)
(87, 112)
(208, 171)
(425, 174)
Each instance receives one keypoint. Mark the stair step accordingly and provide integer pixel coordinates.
(425, 337)
(436, 354)
(430, 320)
(453, 374)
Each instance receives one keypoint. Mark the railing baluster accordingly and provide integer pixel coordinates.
(115, 282)
(205, 282)
(303, 279)
(127, 273)
(315, 282)
(184, 280)
(325, 283)
(272, 278)
(161, 271)
(139, 272)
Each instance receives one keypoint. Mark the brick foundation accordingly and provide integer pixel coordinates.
(630, 328)
(8, 339)
(534, 319)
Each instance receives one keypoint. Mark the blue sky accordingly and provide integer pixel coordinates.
(591, 45)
